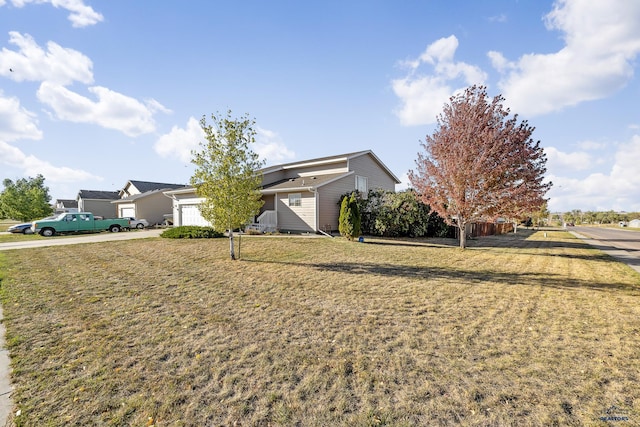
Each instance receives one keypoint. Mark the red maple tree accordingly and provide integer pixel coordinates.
(480, 164)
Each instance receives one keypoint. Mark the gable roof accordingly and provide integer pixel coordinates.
(306, 183)
(68, 203)
(98, 195)
(135, 197)
(328, 160)
(144, 186)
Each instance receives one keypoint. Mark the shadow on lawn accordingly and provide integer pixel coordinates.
(466, 277)
(457, 276)
(520, 240)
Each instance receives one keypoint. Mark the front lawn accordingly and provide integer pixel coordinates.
(515, 330)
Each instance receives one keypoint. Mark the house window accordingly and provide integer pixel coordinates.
(295, 199)
(361, 184)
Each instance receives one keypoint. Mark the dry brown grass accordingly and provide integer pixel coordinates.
(516, 330)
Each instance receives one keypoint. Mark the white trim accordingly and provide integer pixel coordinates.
(297, 199)
(366, 184)
(311, 189)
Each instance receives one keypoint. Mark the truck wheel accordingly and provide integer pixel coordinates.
(140, 226)
(47, 232)
(114, 228)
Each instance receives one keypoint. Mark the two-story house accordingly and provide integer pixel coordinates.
(301, 196)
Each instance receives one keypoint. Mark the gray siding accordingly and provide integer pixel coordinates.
(269, 202)
(296, 218)
(102, 208)
(153, 208)
(272, 177)
(377, 176)
(329, 195)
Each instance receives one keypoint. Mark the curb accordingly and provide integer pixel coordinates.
(6, 403)
(618, 254)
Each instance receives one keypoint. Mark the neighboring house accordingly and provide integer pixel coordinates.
(634, 223)
(143, 199)
(302, 196)
(186, 207)
(97, 202)
(65, 205)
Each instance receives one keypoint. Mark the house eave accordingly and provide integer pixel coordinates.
(288, 190)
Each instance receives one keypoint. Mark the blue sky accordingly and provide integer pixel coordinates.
(93, 94)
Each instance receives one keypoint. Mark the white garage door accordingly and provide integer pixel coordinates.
(125, 212)
(190, 215)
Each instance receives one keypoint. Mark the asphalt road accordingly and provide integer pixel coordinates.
(617, 242)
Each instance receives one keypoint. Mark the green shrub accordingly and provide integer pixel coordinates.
(191, 232)
(344, 226)
(349, 220)
(356, 219)
(390, 214)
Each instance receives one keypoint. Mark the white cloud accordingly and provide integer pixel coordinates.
(16, 122)
(441, 51)
(81, 15)
(625, 170)
(498, 18)
(155, 106)
(112, 110)
(558, 161)
(591, 145)
(270, 147)
(499, 62)
(404, 182)
(180, 142)
(32, 166)
(602, 39)
(58, 67)
(615, 190)
(32, 63)
(424, 95)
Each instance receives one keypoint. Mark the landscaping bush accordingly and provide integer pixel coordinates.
(402, 214)
(349, 220)
(191, 232)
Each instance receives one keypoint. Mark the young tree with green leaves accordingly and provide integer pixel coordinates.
(480, 164)
(227, 174)
(25, 200)
(540, 216)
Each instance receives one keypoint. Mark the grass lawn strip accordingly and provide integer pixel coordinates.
(516, 330)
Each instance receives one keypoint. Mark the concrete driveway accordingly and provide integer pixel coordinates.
(85, 238)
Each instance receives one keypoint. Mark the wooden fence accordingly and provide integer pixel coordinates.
(481, 229)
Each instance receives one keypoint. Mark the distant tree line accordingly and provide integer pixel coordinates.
(577, 216)
(25, 199)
